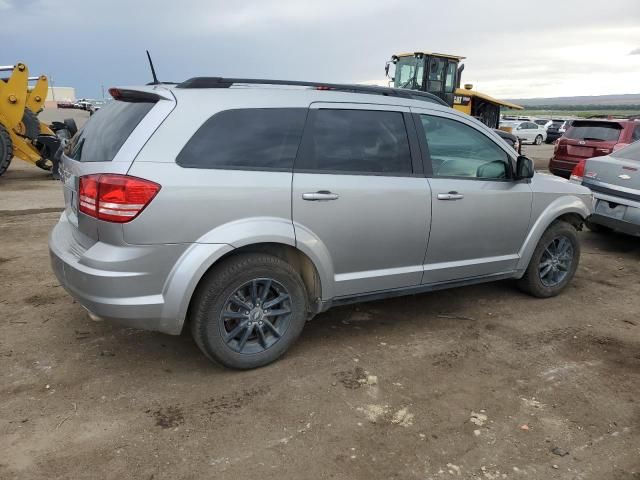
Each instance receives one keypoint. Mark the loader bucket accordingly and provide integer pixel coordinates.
(13, 96)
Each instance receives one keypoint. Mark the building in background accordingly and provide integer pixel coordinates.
(60, 94)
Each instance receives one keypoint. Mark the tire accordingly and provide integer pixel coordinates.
(6, 150)
(215, 317)
(538, 140)
(534, 282)
(596, 228)
(31, 124)
(70, 123)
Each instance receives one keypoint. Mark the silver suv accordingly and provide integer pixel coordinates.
(243, 208)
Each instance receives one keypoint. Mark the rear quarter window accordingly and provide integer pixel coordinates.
(253, 138)
(595, 131)
(106, 131)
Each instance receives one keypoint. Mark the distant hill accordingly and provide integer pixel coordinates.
(596, 100)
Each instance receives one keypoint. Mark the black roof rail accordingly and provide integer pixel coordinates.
(221, 82)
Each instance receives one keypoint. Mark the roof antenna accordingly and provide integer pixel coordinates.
(153, 71)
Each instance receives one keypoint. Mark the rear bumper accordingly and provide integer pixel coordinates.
(133, 285)
(618, 214)
(562, 167)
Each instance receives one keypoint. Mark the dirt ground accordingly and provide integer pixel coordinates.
(477, 382)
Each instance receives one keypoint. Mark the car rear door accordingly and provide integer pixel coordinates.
(360, 196)
(480, 215)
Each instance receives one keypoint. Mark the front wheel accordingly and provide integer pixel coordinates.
(248, 311)
(538, 140)
(553, 263)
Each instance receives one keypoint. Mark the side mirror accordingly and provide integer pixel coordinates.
(524, 167)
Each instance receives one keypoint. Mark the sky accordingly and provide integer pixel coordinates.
(514, 48)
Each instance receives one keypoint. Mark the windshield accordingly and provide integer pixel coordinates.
(631, 152)
(409, 73)
(595, 131)
(542, 122)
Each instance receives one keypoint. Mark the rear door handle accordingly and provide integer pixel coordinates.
(320, 196)
(450, 196)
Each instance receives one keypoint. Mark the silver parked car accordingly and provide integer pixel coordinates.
(529, 132)
(243, 208)
(615, 182)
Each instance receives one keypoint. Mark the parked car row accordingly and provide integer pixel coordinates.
(526, 131)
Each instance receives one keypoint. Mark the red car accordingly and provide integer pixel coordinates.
(591, 138)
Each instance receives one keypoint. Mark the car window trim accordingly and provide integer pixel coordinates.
(426, 156)
(307, 132)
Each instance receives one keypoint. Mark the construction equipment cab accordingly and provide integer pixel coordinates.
(440, 75)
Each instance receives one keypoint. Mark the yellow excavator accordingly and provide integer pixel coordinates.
(440, 74)
(22, 134)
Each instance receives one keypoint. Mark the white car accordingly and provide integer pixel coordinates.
(543, 122)
(529, 132)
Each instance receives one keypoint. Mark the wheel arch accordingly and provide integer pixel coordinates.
(295, 257)
(570, 209)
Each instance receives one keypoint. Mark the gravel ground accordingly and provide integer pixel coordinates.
(476, 382)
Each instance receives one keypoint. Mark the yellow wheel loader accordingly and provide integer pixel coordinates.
(21, 133)
(440, 74)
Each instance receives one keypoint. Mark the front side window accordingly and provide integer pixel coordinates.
(457, 150)
(252, 138)
(356, 141)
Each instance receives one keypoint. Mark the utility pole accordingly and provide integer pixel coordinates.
(53, 90)
(102, 88)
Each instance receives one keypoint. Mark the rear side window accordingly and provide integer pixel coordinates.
(595, 131)
(252, 138)
(356, 141)
(632, 152)
(635, 136)
(107, 130)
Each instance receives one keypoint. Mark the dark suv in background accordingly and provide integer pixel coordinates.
(591, 138)
(557, 129)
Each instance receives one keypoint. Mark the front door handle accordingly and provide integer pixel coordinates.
(450, 196)
(320, 196)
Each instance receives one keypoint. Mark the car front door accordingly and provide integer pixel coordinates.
(360, 196)
(480, 215)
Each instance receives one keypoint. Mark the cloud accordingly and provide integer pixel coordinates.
(635, 51)
(334, 40)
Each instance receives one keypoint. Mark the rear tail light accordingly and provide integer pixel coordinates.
(115, 198)
(578, 171)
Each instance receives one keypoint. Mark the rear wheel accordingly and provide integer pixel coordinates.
(553, 263)
(538, 140)
(6, 150)
(248, 311)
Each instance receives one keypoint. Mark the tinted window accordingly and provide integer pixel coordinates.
(635, 136)
(106, 131)
(458, 150)
(541, 122)
(595, 131)
(632, 152)
(246, 138)
(357, 141)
